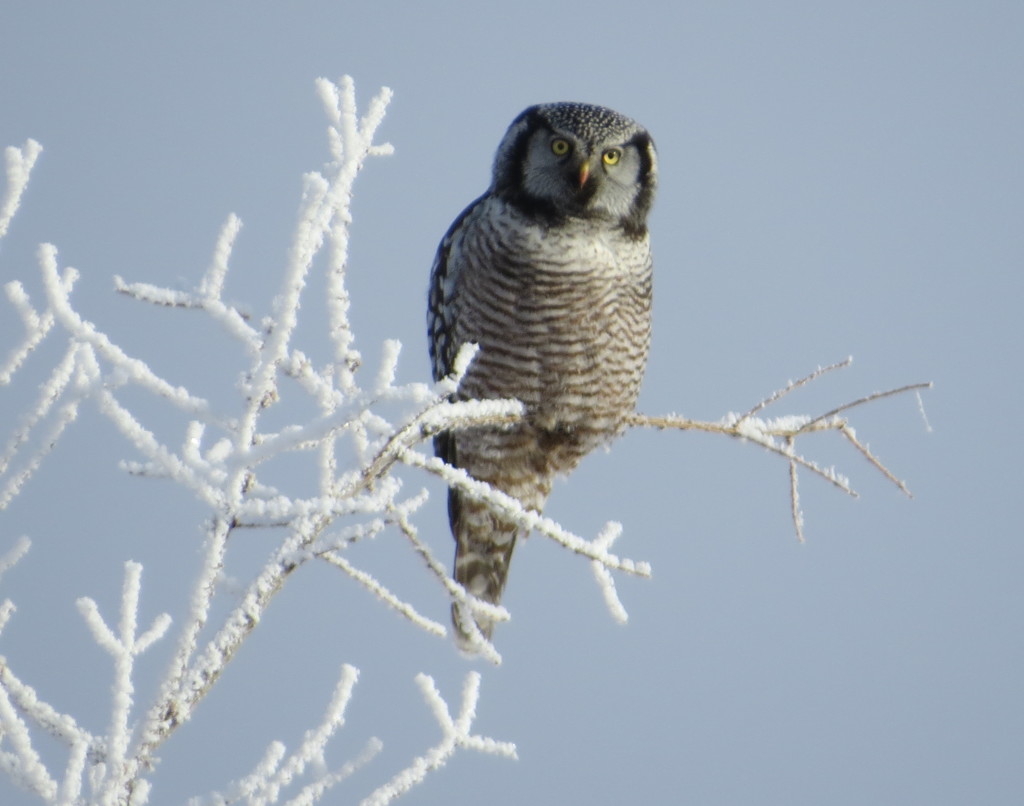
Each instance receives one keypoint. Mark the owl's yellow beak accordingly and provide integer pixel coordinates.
(584, 173)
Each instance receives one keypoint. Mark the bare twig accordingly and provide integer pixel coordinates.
(848, 433)
(792, 385)
(911, 387)
(794, 495)
(779, 435)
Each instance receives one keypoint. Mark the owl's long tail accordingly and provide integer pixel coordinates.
(483, 551)
(484, 537)
(484, 542)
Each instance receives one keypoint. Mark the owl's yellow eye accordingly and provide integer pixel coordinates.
(560, 147)
(611, 156)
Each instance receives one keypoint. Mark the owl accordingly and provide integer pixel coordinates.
(549, 274)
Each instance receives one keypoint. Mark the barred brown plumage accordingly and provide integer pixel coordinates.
(549, 272)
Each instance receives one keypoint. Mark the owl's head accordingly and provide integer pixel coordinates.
(572, 160)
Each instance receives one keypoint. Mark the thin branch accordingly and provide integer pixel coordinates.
(60, 726)
(66, 371)
(86, 332)
(912, 387)
(455, 734)
(764, 432)
(10, 558)
(18, 164)
(36, 325)
(22, 764)
(385, 595)
(792, 385)
(605, 581)
(757, 431)
(849, 434)
(439, 416)
(510, 507)
(794, 494)
(191, 684)
(479, 610)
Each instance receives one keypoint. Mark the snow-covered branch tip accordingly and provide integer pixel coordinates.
(779, 435)
(277, 771)
(117, 774)
(605, 581)
(7, 561)
(455, 735)
(18, 163)
(13, 554)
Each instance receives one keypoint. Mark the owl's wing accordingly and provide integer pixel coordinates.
(444, 284)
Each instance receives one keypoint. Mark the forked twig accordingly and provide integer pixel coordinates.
(792, 385)
(848, 433)
(910, 387)
(779, 435)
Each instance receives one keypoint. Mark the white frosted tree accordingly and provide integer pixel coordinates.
(365, 431)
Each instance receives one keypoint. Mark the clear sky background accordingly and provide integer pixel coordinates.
(836, 179)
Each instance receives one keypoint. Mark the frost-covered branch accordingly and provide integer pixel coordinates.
(399, 514)
(276, 771)
(7, 561)
(455, 735)
(18, 163)
(779, 435)
(220, 459)
(35, 323)
(119, 774)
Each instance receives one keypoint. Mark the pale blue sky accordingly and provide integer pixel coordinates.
(836, 179)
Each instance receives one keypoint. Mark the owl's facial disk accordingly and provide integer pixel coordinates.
(581, 178)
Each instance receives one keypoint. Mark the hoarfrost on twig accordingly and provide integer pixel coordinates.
(277, 770)
(123, 646)
(605, 581)
(18, 163)
(779, 435)
(455, 735)
(13, 554)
